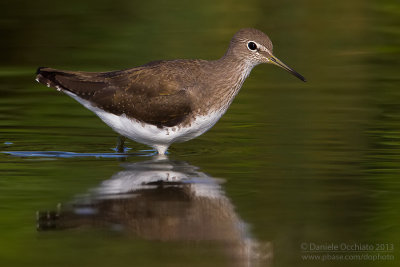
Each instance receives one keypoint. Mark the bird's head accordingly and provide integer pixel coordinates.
(255, 47)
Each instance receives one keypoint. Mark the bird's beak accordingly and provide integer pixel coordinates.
(273, 60)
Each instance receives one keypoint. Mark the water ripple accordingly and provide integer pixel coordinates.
(66, 154)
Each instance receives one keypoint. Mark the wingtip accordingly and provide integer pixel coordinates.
(39, 70)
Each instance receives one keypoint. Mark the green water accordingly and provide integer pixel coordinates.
(290, 164)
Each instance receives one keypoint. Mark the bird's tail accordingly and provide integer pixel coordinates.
(77, 82)
(47, 76)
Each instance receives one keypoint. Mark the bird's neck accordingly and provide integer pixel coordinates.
(235, 67)
(229, 76)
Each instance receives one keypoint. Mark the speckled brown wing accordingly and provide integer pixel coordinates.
(146, 93)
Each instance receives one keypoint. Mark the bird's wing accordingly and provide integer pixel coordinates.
(148, 93)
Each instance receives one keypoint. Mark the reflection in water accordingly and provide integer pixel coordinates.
(163, 200)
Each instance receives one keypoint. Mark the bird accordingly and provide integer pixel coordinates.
(167, 101)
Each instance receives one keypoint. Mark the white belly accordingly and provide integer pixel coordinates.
(151, 135)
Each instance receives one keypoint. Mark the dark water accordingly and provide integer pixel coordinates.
(290, 168)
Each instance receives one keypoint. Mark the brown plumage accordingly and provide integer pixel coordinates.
(145, 93)
(168, 93)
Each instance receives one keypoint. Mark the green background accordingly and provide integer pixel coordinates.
(302, 162)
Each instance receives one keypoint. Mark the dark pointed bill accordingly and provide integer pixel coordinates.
(279, 63)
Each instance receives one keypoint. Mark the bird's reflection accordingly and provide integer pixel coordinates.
(166, 200)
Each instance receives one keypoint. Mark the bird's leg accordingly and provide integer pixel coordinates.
(161, 149)
(120, 144)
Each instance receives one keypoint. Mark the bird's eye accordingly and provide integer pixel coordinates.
(252, 46)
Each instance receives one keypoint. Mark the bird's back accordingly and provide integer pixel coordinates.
(157, 93)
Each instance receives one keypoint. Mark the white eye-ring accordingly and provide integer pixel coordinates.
(252, 46)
